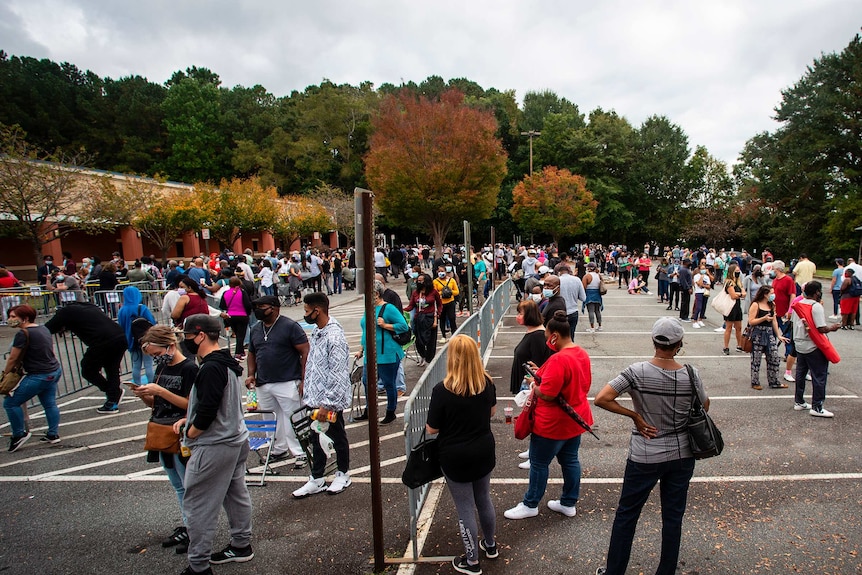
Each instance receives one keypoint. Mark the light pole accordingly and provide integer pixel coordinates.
(531, 134)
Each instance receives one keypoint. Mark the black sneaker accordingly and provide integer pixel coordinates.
(182, 548)
(178, 537)
(231, 554)
(109, 407)
(362, 417)
(601, 570)
(189, 571)
(300, 462)
(279, 456)
(490, 552)
(388, 418)
(48, 438)
(16, 442)
(461, 566)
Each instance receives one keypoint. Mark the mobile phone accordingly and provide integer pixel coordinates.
(529, 370)
(132, 384)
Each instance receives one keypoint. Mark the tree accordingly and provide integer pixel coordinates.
(434, 163)
(554, 201)
(298, 217)
(45, 195)
(235, 206)
(339, 206)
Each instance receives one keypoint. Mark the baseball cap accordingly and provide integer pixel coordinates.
(543, 270)
(202, 322)
(591, 265)
(667, 330)
(267, 300)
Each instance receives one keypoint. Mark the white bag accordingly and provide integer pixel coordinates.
(722, 302)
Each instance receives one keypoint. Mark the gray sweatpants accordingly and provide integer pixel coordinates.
(469, 498)
(215, 478)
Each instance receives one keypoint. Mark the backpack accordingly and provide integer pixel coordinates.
(140, 326)
(400, 338)
(855, 287)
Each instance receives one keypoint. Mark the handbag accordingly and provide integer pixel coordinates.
(161, 437)
(722, 303)
(603, 289)
(11, 379)
(524, 422)
(703, 436)
(747, 344)
(423, 463)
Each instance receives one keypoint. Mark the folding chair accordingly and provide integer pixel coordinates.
(261, 435)
(301, 422)
(410, 351)
(358, 391)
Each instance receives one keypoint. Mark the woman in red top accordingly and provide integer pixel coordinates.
(428, 305)
(555, 434)
(192, 301)
(644, 264)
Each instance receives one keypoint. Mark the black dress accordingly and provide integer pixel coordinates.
(736, 313)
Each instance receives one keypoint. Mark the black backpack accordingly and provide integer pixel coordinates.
(855, 288)
(140, 326)
(400, 338)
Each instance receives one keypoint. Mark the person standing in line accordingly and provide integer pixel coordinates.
(131, 310)
(555, 434)
(673, 285)
(277, 353)
(460, 412)
(390, 296)
(686, 286)
(106, 346)
(659, 449)
(33, 349)
(784, 289)
(168, 396)
(446, 286)
(835, 287)
(810, 357)
(849, 298)
(765, 336)
(804, 270)
(327, 389)
(594, 304)
(426, 302)
(215, 432)
(733, 320)
(702, 283)
(235, 306)
(573, 293)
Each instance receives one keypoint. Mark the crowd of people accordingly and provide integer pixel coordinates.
(194, 387)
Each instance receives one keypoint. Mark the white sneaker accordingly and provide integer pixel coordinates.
(524, 454)
(589, 330)
(696, 325)
(442, 340)
(599, 328)
(524, 465)
(801, 406)
(833, 316)
(313, 486)
(555, 505)
(788, 377)
(808, 376)
(521, 511)
(702, 324)
(820, 412)
(339, 484)
(718, 330)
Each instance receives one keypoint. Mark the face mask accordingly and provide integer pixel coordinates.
(772, 275)
(192, 346)
(520, 319)
(163, 360)
(309, 319)
(736, 274)
(61, 278)
(13, 322)
(49, 262)
(447, 258)
(441, 275)
(552, 343)
(414, 275)
(448, 268)
(420, 285)
(536, 297)
(181, 291)
(771, 297)
(703, 272)
(261, 314)
(548, 293)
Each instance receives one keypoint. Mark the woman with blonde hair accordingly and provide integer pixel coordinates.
(460, 412)
(733, 320)
(168, 396)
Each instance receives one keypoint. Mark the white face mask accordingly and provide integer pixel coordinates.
(536, 297)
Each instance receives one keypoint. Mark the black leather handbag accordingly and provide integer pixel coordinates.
(423, 464)
(703, 436)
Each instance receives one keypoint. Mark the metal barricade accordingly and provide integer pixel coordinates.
(481, 327)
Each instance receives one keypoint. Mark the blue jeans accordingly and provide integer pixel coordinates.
(387, 374)
(337, 282)
(638, 482)
(45, 386)
(176, 475)
(267, 290)
(542, 452)
(138, 358)
(698, 307)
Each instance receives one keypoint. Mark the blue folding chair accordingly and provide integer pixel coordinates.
(261, 435)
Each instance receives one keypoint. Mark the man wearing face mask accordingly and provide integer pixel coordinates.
(811, 358)
(784, 289)
(573, 292)
(277, 352)
(551, 292)
(45, 270)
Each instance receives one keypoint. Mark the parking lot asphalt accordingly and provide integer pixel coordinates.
(784, 497)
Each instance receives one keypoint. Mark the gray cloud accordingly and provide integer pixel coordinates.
(717, 69)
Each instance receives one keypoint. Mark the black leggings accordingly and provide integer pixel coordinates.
(239, 324)
(447, 318)
(426, 335)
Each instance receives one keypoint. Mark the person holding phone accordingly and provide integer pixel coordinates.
(765, 335)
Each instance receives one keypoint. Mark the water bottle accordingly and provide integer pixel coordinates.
(184, 450)
(251, 400)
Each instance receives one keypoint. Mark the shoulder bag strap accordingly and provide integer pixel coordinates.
(382, 335)
(695, 398)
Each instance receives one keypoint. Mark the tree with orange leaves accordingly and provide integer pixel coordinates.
(298, 216)
(434, 162)
(554, 201)
(237, 205)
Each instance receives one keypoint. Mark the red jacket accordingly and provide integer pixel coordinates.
(567, 372)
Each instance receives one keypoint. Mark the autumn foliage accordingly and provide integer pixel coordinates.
(434, 162)
(554, 201)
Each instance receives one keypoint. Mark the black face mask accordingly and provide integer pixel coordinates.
(261, 314)
(309, 319)
(192, 346)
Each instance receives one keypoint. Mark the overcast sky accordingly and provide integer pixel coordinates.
(715, 68)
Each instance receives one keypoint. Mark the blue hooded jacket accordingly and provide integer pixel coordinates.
(130, 311)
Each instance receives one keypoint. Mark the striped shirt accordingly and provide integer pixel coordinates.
(327, 373)
(663, 398)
